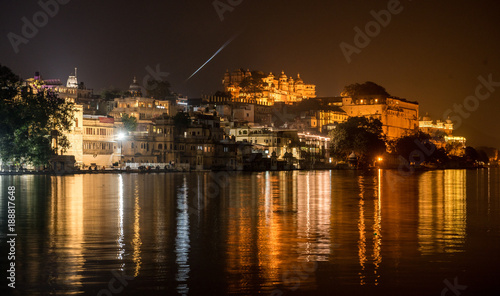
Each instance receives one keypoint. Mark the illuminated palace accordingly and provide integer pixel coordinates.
(442, 132)
(276, 89)
(399, 117)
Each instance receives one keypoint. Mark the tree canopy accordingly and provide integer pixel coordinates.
(111, 93)
(254, 83)
(365, 89)
(158, 89)
(360, 135)
(31, 121)
(418, 148)
(222, 94)
(181, 121)
(129, 122)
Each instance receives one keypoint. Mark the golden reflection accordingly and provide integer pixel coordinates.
(377, 227)
(442, 212)
(370, 236)
(239, 237)
(313, 216)
(361, 229)
(66, 229)
(489, 190)
(269, 227)
(136, 241)
(287, 231)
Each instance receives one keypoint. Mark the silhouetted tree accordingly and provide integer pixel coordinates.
(222, 94)
(110, 94)
(254, 83)
(418, 148)
(360, 135)
(181, 121)
(30, 118)
(364, 89)
(158, 89)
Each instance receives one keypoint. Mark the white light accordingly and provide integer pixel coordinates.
(121, 136)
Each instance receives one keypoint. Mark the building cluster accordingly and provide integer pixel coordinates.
(274, 88)
(281, 125)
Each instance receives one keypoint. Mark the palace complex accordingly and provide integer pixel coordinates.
(263, 121)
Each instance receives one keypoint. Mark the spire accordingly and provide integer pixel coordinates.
(75, 72)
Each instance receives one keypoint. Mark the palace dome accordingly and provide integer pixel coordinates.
(134, 86)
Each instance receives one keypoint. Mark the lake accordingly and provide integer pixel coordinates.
(241, 233)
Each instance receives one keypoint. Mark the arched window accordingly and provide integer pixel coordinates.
(160, 146)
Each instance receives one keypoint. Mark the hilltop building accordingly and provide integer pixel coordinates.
(399, 117)
(275, 88)
(427, 125)
(442, 135)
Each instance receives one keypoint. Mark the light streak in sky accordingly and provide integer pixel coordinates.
(216, 53)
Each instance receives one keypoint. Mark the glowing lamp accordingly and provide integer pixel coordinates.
(121, 136)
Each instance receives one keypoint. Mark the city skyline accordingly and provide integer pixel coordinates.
(433, 53)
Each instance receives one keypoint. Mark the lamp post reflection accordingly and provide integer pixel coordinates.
(182, 242)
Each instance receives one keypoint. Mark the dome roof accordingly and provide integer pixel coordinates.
(134, 86)
(299, 80)
(283, 75)
(426, 117)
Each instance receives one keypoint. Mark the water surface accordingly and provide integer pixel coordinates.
(274, 233)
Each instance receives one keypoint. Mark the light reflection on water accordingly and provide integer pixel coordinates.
(182, 240)
(243, 233)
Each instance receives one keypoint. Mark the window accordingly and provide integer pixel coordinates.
(160, 146)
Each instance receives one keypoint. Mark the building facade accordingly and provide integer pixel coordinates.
(274, 88)
(399, 117)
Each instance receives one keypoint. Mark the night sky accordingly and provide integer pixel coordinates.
(431, 51)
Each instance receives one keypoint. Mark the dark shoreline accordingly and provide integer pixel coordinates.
(154, 171)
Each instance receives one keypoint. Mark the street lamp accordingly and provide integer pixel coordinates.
(121, 136)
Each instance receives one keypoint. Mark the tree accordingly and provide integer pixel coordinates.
(158, 89)
(129, 122)
(366, 89)
(418, 148)
(111, 93)
(181, 121)
(254, 83)
(222, 94)
(33, 121)
(360, 135)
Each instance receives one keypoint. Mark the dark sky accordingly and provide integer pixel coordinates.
(432, 51)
